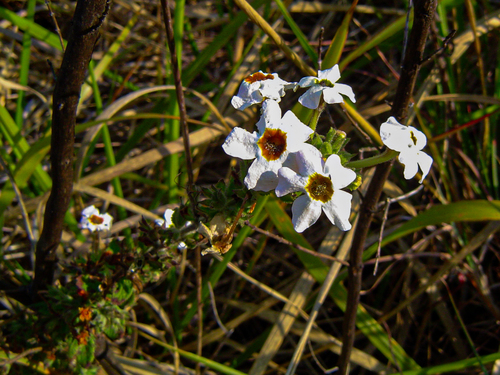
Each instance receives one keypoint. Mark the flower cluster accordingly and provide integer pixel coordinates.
(285, 162)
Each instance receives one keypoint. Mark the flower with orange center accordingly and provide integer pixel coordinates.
(322, 183)
(409, 142)
(258, 87)
(94, 221)
(272, 146)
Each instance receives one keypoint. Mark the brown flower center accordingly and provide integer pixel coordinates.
(96, 220)
(319, 187)
(272, 144)
(258, 77)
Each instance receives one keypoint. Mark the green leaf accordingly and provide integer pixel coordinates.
(474, 210)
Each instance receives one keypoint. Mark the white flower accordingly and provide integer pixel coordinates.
(94, 221)
(258, 87)
(167, 223)
(409, 142)
(276, 138)
(321, 182)
(324, 83)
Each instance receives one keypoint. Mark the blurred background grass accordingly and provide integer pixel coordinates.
(434, 301)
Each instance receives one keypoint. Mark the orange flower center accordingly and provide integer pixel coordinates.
(272, 144)
(96, 220)
(258, 77)
(319, 187)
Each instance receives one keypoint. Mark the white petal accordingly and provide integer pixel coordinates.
(332, 96)
(89, 211)
(310, 99)
(106, 224)
(345, 90)
(271, 111)
(272, 90)
(340, 175)
(309, 162)
(296, 164)
(241, 144)
(425, 163)
(409, 159)
(168, 218)
(305, 212)
(307, 81)
(289, 182)
(332, 74)
(263, 170)
(395, 136)
(296, 131)
(421, 138)
(338, 209)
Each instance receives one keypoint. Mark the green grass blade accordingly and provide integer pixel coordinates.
(32, 28)
(473, 210)
(298, 32)
(334, 52)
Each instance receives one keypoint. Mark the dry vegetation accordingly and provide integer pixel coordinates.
(434, 298)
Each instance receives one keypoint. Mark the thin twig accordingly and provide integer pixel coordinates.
(180, 98)
(298, 247)
(199, 300)
(54, 19)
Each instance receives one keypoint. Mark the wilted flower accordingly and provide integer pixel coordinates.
(258, 87)
(409, 142)
(270, 147)
(321, 182)
(324, 83)
(94, 221)
(167, 222)
(218, 233)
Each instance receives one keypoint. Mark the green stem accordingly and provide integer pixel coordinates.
(316, 114)
(372, 161)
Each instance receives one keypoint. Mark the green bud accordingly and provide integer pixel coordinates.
(356, 183)
(339, 141)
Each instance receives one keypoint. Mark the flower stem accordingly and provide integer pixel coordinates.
(372, 161)
(316, 114)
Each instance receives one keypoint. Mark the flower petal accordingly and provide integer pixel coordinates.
(421, 139)
(307, 82)
(241, 144)
(332, 96)
(409, 159)
(262, 175)
(289, 182)
(332, 74)
(296, 164)
(394, 135)
(425, 163)
(305, 212)
(345, 90)
(297, 132)
(340, 175)
(310, 99)
(338, 209)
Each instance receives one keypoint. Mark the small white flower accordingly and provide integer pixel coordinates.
(270, 147)
(258, 87)
(409, 142)
(167, 222)
(321, 182)
(94, 221)
(324, 83)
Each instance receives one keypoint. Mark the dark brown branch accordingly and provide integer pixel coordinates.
(86, 21)
(423, 17)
